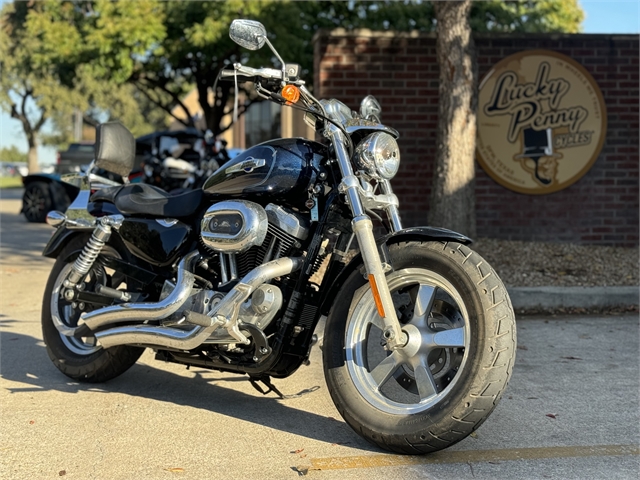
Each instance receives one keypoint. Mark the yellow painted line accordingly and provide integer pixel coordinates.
(508, 454)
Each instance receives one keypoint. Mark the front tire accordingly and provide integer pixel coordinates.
(449, 377)
(80, 358)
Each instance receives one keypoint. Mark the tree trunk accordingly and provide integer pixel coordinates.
(32, 157)
(453, 202)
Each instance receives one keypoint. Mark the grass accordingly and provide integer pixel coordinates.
(10, 182)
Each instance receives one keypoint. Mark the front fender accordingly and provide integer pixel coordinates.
(428, 234)
(424, 233)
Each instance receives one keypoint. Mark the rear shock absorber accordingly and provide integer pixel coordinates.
(92, 249)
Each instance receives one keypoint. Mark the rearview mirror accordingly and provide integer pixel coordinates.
(248, 34)
(370, 108)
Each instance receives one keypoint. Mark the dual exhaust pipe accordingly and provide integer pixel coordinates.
(167, 337)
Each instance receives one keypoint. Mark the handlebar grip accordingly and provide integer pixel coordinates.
(226, 73)
(242, 71)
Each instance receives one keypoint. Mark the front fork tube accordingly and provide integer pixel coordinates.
(392, 210)
(363, 229)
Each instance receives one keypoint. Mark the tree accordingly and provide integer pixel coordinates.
(452, 202)
(196, 46)
(52, 63)
(453, 193)
(527, 16)
(12, 155)
(59, 56)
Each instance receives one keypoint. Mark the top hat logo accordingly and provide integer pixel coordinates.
(537, 143)
(537, 155)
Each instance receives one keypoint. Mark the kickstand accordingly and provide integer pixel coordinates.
(267, 382)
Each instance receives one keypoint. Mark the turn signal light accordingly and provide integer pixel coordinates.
(376, 295)
(291, 93)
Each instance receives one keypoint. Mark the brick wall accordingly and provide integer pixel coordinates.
(401, 71)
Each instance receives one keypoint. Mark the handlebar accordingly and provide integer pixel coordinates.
(289, 76)
(242, 71)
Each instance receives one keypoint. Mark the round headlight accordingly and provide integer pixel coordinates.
(379, 153)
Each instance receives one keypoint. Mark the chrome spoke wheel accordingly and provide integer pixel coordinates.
(416, 377)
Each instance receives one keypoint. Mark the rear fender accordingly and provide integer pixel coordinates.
(424, 234)
(61, 237)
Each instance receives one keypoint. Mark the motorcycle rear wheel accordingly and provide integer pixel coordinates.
(461, 350)
(81, 359)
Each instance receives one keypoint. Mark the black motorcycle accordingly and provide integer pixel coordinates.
(177, 161)
(420, 335)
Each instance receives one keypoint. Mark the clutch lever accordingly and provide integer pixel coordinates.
(269, 95)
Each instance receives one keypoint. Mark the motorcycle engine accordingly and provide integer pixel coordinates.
(243, 235)
(253, 234)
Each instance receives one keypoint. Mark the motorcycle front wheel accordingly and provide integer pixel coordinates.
(460, 350)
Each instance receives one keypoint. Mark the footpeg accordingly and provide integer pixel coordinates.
(198, 319)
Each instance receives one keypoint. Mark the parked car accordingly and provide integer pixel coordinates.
(77, 155)
(13, 169)
(44, 192)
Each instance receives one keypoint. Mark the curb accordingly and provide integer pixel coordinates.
(573, 297)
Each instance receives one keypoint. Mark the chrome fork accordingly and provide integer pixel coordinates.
(363, 229)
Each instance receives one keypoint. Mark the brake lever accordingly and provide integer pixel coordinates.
(269, 95)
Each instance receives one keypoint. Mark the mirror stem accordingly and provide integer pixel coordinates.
(278, 57)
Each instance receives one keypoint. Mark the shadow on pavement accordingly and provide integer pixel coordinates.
(21, 241)
(24, 359)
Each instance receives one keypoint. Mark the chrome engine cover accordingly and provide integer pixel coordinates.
(259, 310)
(233, 226)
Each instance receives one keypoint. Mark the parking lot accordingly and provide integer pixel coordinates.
(571, 410)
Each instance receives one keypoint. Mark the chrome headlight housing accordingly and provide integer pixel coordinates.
(378, 154)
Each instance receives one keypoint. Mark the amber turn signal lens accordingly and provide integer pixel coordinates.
(376, 295)
(291, 93)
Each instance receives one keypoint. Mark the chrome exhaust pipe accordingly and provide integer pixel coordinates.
(149, 310)
(188, 339)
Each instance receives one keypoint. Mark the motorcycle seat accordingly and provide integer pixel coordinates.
(106, 194)
(147, 200)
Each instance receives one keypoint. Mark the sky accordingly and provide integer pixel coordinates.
(602, 16)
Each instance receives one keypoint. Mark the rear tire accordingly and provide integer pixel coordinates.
(36, 202)
(79, 359)
(422, 400)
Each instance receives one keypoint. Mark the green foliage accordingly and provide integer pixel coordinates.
(58, 57)
(136, 60)
(12, 154)
(196, 44)
(530, 16)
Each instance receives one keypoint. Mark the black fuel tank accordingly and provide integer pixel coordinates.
(158, 242)
(281, 169)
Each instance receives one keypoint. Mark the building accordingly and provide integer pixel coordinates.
(599, 205)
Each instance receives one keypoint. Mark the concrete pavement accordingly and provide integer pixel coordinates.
(570, 411)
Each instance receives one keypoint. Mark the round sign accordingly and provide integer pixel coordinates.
(541, 122)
